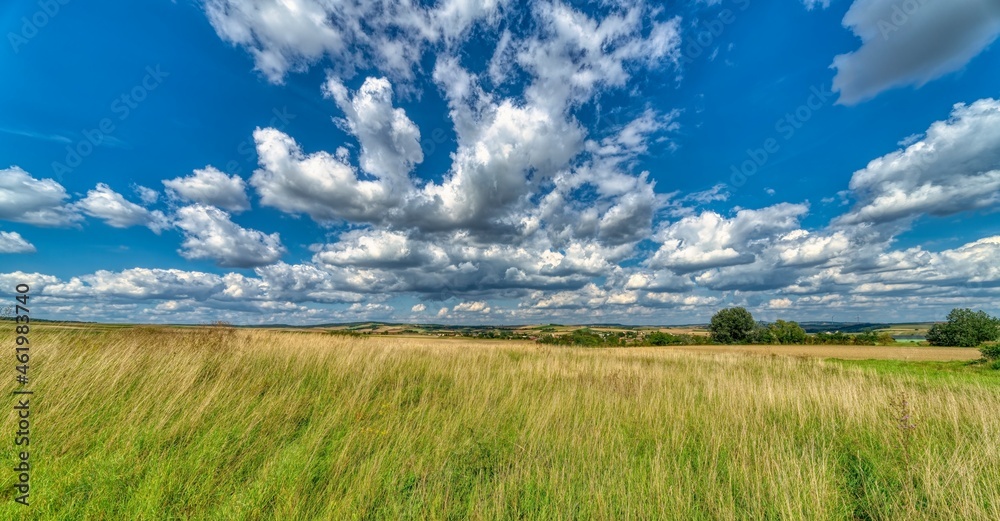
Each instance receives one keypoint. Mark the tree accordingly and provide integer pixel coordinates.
(788, 332)
(732, 325)
(965, 328)
(762, 334)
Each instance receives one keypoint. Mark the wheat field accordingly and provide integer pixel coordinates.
(166, 423)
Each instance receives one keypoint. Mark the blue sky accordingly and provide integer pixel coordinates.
(500, 162)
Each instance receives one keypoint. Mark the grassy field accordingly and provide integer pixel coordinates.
(147, 423)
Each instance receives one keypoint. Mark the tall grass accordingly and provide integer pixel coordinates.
(150, 423)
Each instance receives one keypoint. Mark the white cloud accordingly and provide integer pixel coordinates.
(813, 4)
(104, 203)
(530, 214)
(472, 307)
(954, 168)
(911, 42)
(210, 234)
(370, 308)
(291, 35)
(390, 142)
(779, 303)
(574, 54)
(28, 200)
(211, 187)
(322, 185)
(282, 36)
(146, 195)
(710, 240)
(12, 242)
(138, 284)
(489, 175)
(896, 283)
(382, 249)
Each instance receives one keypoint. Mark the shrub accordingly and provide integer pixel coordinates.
(658, 338)
(732, 325)
(991, 352)
(867, 338)
(582, 337)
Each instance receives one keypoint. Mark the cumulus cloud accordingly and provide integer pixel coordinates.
(489, 177)
(111, 207)
(575, 53)
(323, 185)
(534, 214)
(911, 42)
(377, 261)
(390, 142)
(709, 240)
(913, 282)
(289, 36)
(146, 195)
(210, 187)
(33, 201)
(209, 233)
(955, 167)
(382, 249)
(138, 284)
(472, 307)
(12, 242)
(779, 303)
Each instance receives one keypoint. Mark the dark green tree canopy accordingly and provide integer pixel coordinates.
(788, 332)
(965, 328)
(732, 326)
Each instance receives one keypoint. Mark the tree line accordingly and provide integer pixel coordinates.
(962, 328)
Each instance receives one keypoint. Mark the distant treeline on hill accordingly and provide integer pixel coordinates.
(860, 327)
(767, 334)
(963, 328)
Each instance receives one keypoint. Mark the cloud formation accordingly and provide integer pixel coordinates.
(28, 200)
(911, 42)
(535, 212)
(209, 186)
(209, 233)
(12, 242)
(111, 207)
(954, 167)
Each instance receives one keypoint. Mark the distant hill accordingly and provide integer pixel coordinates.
(843, 327)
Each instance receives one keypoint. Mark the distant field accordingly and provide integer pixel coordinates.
(914, 353)
(171, 423)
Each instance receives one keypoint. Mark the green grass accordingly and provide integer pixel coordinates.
(180, 424)
(966, 372)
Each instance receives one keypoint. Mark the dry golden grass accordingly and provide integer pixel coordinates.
(160, 423)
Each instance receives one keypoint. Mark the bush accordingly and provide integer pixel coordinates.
(885, 339)
(965, 328)
(582, 337)
(732, 326)
(658, 338)
(867, 338)
(991, 352)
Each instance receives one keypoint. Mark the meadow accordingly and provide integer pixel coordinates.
(216, 423)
